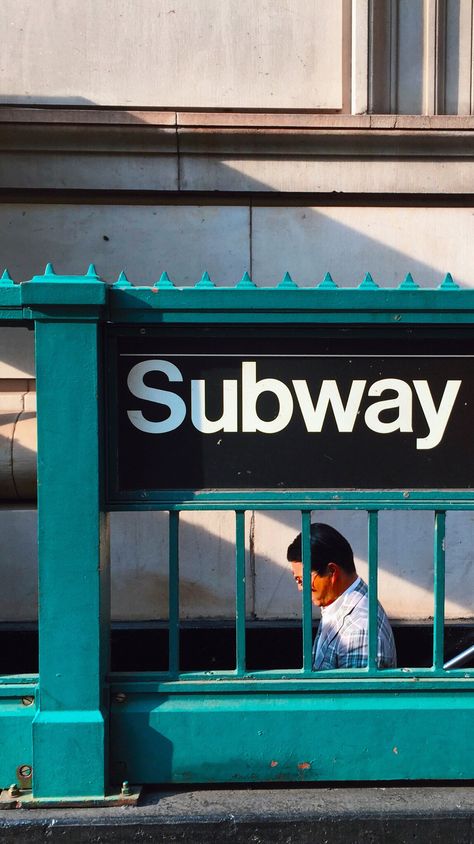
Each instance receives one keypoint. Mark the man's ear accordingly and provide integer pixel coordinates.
(333, 569)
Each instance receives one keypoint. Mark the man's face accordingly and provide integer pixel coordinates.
(323, 590)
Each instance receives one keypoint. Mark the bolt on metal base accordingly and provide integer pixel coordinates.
(15, 798)
(9, 797)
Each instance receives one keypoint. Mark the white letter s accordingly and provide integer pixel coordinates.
(138, 388)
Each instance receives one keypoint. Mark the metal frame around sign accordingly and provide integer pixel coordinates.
(207, 726)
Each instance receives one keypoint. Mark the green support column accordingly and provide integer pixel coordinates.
(70, 728)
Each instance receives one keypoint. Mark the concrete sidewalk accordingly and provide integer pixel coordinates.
(288, 815)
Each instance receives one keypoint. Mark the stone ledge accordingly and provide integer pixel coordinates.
(304, 120)
(233, 119)
(104, 150)
(85, 116)
(146, 140)
(333, 142)
(95, 132)
(334, 815)
(87, 138)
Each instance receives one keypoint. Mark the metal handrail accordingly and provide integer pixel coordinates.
(460, 658)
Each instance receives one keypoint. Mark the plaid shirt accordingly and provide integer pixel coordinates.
(343, 642)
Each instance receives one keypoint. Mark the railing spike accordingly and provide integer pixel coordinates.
(6, 278)
(205, 281)
(92, 271)
(122, 281)
(49, 270)
(164, 282)
(368, 283)
(287, 282)
(246, 282)
(448, 283)
(408, 283)
(327, 283)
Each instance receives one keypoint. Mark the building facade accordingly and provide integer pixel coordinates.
(224, 136)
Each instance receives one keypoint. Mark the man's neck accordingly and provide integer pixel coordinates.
(346, 582)
(349, 581)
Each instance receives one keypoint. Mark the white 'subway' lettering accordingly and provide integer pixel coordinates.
(314, 410)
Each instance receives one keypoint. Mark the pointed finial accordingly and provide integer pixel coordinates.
(122, 281)
(49, 270)
(287, 282)
(92, 271)
(408, 283)
(368, 283)
(164, 282)
(327, 283)
(6, 278)
(448, 283)
(246, 282)
(205, 281)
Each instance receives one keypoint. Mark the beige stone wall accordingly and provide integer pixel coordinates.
(226, 239)
(273, 190)
(186, 53)
(17, 439)
(139, 564)
(379, 56)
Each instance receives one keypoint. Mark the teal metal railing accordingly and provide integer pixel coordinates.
(179, 726)
(439, 589)
(240, 591)
(373, 553)
(437, 670)
(173, 591)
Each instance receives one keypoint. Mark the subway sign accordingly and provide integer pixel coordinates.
(293, 413)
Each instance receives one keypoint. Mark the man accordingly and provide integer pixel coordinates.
(342, 638)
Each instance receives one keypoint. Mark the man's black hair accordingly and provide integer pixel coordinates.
(327, 546)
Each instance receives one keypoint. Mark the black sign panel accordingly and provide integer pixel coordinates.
(293, 413)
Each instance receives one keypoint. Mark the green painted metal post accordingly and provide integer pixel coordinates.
(240, 638)
(373, 560)
(70, 728)
(173, 593)
(439, 587)
(306, 603)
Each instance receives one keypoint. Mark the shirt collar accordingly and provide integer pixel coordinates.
(332, 609)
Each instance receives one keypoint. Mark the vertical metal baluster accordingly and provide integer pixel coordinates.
(439, 588)
(240, 590)
(173, 591)
(306, 596)
(373, 553)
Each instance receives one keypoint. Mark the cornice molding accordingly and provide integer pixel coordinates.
(232, 119)
(43, 130)
(101, 149)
